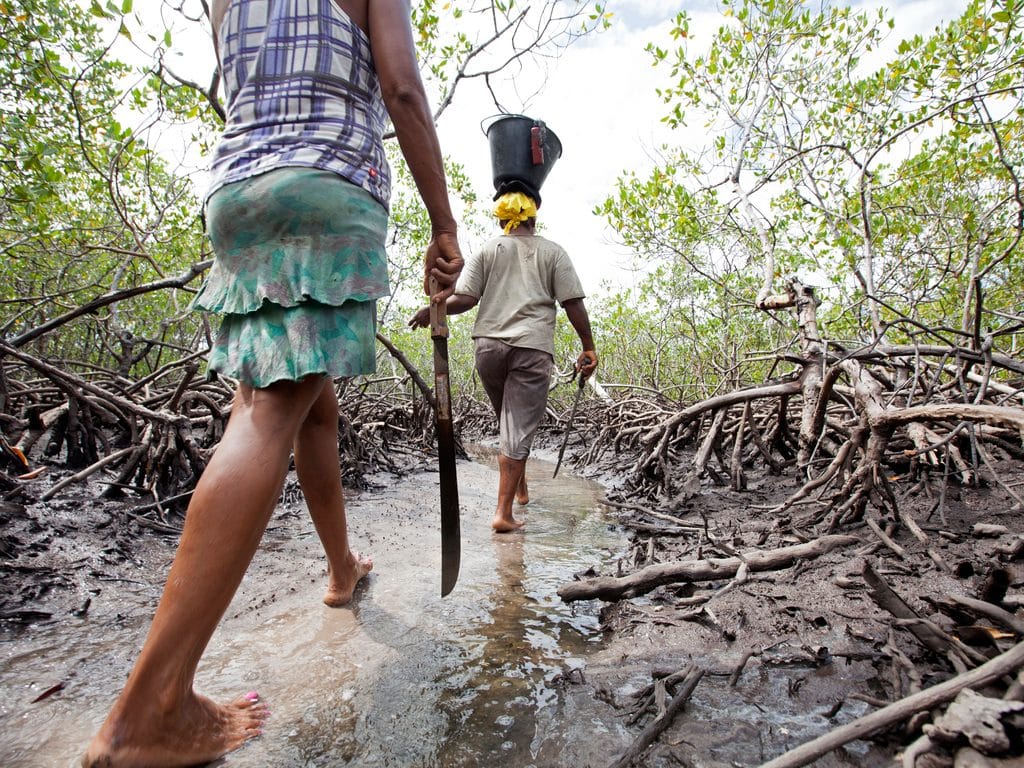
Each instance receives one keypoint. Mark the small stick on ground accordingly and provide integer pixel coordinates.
(654, 729)
(887, 599)
(886, 539)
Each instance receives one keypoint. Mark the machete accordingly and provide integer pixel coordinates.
(450, 534)
(568, 427)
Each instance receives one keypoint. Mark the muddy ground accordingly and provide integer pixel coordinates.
(786, 654)
(808, 646)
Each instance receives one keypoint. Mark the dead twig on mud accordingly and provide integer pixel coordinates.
(85, 473)
(991, 612)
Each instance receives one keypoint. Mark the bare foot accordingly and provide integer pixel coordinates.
(341, 586)
(505, 524)
(195, 733)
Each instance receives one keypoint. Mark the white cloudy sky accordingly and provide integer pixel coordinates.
(599, 98)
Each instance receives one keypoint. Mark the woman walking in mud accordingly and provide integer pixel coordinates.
(518, 279)
(297, 215)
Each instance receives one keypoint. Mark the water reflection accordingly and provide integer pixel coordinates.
(528, 645)
(474, 678)
(515, 662)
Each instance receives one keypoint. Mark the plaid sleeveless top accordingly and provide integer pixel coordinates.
(300, 89)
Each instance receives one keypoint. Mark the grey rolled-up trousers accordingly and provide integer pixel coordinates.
(517, 380)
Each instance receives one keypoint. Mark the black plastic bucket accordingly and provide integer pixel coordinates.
(523, 152)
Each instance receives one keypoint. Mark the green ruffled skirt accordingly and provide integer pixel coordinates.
(299, 265)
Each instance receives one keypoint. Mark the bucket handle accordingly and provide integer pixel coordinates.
(487, 122)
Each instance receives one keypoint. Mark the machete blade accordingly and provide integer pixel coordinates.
(450, 529)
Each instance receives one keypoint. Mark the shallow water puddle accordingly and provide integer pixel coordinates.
(400, 678)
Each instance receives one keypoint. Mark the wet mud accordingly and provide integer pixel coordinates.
(501, 672)
(401, 677)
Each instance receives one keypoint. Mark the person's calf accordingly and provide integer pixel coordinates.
(522, 491)
(511, 472)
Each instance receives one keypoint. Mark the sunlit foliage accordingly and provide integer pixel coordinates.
(890, 183)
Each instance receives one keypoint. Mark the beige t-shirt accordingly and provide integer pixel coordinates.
(518, 280)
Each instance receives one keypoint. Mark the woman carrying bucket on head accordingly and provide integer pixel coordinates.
(518, 279)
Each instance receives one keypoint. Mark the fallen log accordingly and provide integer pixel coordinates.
(901, 710)
(643, 581)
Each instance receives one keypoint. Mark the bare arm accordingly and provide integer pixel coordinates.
(394, 56)
(456, 305)
(216, 11)
(576, 311)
